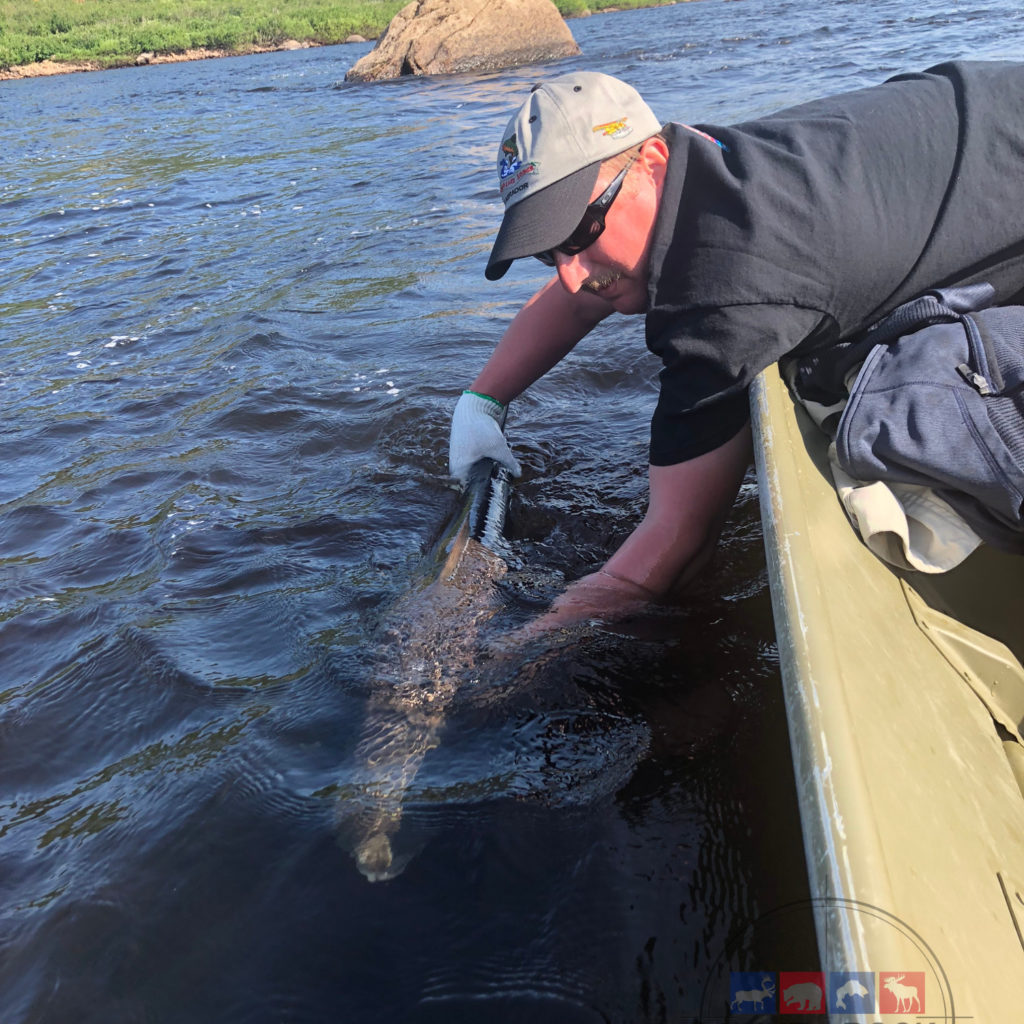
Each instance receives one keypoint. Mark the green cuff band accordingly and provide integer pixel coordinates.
(500, 405)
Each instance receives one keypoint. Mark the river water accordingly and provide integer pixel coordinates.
(239, 300)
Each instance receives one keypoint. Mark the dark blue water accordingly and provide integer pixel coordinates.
(238, 301)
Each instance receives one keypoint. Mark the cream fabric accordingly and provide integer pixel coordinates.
(906, 525)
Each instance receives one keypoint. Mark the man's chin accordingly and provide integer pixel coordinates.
(629, 304)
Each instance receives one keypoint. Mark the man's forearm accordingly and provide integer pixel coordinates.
(542, 333)
(658, 558)
(675, 540)
(688, 506)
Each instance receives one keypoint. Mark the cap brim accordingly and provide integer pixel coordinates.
(543, 220)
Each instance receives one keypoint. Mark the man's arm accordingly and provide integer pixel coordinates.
(542, 333)
(688, 505)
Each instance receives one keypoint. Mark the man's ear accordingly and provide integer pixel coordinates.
(654, 156)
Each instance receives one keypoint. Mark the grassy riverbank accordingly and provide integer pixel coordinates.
(108, 33)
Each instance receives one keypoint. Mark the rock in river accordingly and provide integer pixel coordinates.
(438, 37)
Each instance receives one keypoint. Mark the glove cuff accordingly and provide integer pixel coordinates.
(474, 401)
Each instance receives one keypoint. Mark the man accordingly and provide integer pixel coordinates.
(743, 245)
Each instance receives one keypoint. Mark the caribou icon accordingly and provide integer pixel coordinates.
(755, 996)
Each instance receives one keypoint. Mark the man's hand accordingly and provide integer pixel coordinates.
(476, 434)
(599, 596)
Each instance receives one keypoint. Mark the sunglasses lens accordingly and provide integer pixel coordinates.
(587, 232)
(590, 227)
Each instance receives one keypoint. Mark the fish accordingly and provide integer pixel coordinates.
(428, 641)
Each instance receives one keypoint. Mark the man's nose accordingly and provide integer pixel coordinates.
(571, 272)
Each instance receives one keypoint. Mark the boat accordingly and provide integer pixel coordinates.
(904, 696)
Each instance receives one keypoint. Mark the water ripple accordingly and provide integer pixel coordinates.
(240, 300)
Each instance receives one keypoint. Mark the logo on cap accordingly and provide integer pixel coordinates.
(511, 169)
(614, 129)
(510, 162)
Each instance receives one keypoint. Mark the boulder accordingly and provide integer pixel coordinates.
(441, 37)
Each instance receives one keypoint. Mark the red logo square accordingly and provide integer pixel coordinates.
(901, 991)
(802, 992)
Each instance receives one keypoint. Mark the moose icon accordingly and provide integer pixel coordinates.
(907, 996)
(755, 997)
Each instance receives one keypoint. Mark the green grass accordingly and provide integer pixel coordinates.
(116, 31)
(112, 32)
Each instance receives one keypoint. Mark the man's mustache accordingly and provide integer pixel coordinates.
(599, 282)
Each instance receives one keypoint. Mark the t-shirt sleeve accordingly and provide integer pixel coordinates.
(710, 358)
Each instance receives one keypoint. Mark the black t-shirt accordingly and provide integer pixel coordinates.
(801, 229)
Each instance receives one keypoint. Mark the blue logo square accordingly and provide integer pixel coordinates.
(752, 991)
(851, 992)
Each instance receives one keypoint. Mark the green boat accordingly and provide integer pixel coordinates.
(904, 695)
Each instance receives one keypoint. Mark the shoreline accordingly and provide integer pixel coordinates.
(44, 68)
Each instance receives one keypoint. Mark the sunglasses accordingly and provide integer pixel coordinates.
(589, 229)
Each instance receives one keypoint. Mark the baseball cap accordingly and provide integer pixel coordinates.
(550, 157)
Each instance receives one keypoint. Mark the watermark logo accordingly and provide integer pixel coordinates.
(901, 992)
(851, 991)
(752, 992)
(858, 994)
(802, 991)
(806, 992)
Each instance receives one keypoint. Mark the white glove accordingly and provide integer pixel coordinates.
(476, 434)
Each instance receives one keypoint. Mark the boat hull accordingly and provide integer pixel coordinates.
(905, 700)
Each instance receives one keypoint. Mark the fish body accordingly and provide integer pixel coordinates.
(430, 653)
(486, 504)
